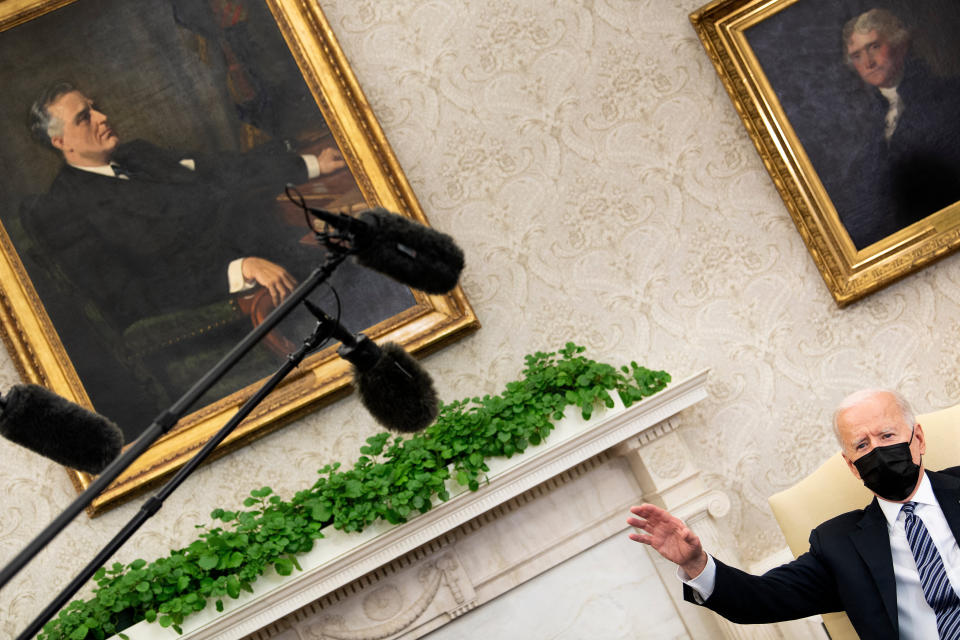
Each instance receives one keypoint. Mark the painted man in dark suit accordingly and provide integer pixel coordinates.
(122, 212)
(859, 562)
(144, 233)
(905, 160)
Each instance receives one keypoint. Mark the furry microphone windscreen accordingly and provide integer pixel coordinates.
(409, 252)
(397, 391)
(56, 428)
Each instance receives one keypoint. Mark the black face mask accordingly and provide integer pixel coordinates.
(889, 471)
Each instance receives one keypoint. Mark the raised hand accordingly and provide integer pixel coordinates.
(669, 537)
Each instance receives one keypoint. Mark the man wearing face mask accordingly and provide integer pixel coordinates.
(894, 566)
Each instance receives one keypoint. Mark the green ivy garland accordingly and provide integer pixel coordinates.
(392, 479)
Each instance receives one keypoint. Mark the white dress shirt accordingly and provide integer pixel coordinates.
(894, 111)
(917, 620)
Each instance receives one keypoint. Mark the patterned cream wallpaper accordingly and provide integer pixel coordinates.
(588, 161)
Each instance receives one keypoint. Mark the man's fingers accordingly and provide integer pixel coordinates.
(666, 534)
(640, 537)
(282, 287)
(271, 276)
(648, 511)
(330, 160)
(655, 516)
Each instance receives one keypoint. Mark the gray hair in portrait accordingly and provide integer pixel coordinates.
(882, 21)
(42, 124)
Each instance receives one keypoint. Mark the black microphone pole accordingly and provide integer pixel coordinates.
(153, 504)
(166, 420)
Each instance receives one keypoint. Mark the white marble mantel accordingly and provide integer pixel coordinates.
(538, 510)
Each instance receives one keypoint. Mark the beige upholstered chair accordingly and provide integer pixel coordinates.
(832, 490)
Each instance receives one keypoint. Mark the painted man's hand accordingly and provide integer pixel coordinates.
(330, 160)
(269, 275)
(669, 537)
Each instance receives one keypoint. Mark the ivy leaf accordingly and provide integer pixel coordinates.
(283, 566)
(233, 586)
(353, 489)
(208, 562)
(80, 633)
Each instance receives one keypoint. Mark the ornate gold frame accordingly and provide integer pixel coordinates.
(849, 274)
(433, 322)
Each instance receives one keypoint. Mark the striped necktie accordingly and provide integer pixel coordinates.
(937, 589)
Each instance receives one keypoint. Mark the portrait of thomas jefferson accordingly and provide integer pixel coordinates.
(906, 163)
(870, 88)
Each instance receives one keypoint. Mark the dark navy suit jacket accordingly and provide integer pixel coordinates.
(159, 244)
(885, 185)
(161, 241)
(849, 568)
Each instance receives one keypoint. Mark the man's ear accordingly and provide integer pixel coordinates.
(853, 467)
(921, 439)
(57, 142)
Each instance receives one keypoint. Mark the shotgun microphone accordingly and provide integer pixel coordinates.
(407, 251)
(46, 423)
(393, 387)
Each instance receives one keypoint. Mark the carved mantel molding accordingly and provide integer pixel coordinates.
(407, 580)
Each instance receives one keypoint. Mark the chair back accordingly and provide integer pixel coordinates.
(832, 490)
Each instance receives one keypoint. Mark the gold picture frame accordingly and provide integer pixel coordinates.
(855, 198)
(291, 40)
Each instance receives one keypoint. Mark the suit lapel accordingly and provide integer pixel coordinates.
(872, 542)
(145, 162)
(947, 489)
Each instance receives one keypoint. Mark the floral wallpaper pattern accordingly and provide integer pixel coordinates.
(586, 157)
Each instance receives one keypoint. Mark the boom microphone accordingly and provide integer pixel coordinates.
(393, 387)
(56, 428)
(407, 251)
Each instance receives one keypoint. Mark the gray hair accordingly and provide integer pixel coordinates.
(858, 397)
(882, 21)
(43, 125)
